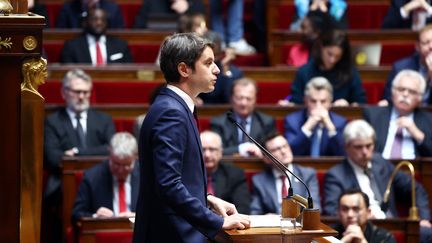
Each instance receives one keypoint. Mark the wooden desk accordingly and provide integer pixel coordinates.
(273, 235)
(148, 72)
(89, 227)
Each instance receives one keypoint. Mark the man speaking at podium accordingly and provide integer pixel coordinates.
(173, 202)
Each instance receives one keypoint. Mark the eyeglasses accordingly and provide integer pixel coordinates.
(78, 92)
(403, 89)
(210, 149)
(280, 148)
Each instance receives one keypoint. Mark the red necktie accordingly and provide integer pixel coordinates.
(284, 191)
(210, 188)
(99, 58)
(122, 196)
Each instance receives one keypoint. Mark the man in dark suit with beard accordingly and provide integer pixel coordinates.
(94, 46)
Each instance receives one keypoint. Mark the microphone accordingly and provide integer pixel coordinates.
(282, 168)
(413, 211)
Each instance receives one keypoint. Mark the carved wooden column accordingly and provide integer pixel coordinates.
(20, 150)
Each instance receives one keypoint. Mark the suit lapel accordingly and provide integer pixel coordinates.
(383, 127)
(67, 124)
(270, 180)
(84, 49)
(134, 186)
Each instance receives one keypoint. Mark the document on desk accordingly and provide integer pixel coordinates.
(259, 221)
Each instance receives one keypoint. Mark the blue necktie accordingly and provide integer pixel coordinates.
(243, 138)
(315, 143)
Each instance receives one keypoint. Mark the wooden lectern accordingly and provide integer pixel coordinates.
(273, 235)
(21, 126)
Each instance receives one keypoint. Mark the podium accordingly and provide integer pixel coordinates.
(273, 235)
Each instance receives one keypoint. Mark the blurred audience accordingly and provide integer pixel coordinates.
(312, 26)
(164, 14)
(94, 46)
(408, 14)
(420, 61)
(110, 189)
(271, 185)
(403, 130)
(368, 171)
(331, 58)
(229, 72)
(335, 8)
(224, 180)
(353, 225)
(257, 124)
(74, 12)
(230, 27)
(315, 130)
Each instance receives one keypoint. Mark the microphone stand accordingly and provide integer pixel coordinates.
(290, 208)
(413, 211)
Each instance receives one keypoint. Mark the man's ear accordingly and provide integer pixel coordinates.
(183, 70)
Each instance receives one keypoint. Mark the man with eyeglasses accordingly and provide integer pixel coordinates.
(270, 186)
(403, 130)
(366, 170)
(223, 179)
(76, 129)
(110, 189)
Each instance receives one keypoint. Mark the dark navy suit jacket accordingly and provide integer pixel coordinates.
(71, 14)
(261, 126)
(172, 204)
(341, 178)
(393, 18)
(59, 136)
(230, 185)
(379, 118)
(264, 195)
(96, 190)
(77, 51)
(301, 144)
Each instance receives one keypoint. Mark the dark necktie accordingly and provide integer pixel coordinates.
(284, 191)
(80, 132)
(396, 149)
(315, 143)
(210, 188)
(243, 137)
(373, 184)
(195, 114)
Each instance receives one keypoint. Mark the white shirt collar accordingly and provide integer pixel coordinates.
(183, 95)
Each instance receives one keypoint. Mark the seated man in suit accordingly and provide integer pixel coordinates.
(354, 226)
(111, 187)
(257, 124)
(403, 130)
(223, 179)
(420, 61)
(73, 12)
(94, 46)
(270, 186)
(408, 14)
(368, 171)
(316, 131)
(75, 130)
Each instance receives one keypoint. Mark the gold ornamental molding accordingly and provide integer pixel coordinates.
(30, 43)
(6, 43)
